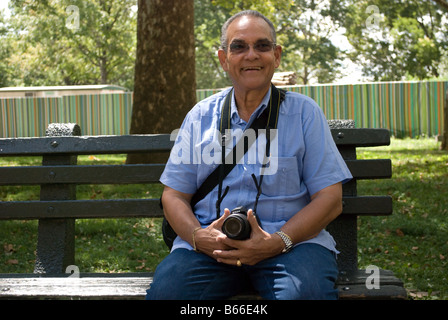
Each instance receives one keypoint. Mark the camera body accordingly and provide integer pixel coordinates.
(236, 226)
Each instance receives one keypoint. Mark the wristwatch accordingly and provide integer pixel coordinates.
(287, 240)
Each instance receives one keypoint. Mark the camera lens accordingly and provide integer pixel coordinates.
(236, 226)
(233, 226)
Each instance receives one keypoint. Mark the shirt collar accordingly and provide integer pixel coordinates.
(235, 118)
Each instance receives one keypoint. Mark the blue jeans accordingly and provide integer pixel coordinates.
(308, 271)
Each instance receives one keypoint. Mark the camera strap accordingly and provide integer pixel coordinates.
(267, 120)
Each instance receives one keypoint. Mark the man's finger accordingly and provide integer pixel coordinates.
(221, 219)
(252, 220)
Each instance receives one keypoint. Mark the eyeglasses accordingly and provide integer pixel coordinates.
(239, 47)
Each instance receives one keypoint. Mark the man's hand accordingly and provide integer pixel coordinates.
(261, 245)
(207, 239)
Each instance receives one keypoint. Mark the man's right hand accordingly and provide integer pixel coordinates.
(207, 239)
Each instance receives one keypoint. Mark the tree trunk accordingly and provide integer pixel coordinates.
(445, 124)
(165, 85)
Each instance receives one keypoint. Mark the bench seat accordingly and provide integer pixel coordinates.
(133, 285)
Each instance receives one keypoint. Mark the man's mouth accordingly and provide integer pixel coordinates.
(251, 68)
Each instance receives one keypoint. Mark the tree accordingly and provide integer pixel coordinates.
(4, 52)
(72, 42)
(208, 21)
(444, 145)
(397, 40)
(305, 29)
(164, 87)
(444, 4)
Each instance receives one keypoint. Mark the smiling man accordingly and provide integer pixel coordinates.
(287, 254)
(250, 56)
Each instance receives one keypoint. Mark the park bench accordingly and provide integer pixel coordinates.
(58, 209)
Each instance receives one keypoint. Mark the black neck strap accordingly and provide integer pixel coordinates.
(270, 113)
(267, 120)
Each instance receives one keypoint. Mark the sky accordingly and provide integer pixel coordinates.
(4, 5)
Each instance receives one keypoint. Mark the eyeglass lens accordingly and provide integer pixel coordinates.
(237, 46)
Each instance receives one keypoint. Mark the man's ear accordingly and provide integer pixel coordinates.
(278, 55)
(222, 56)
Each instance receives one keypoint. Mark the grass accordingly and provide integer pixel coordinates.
(412, 242)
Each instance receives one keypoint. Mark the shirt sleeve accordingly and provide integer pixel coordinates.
(181, 171)
(323, 164)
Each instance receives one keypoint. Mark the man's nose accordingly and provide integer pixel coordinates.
(252, 53)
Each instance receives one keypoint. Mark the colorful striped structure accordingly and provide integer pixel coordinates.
(99, 114)
(407, 109)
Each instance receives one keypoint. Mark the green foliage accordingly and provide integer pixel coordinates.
(208, 21)
(395, 40)
(5, 51)
(71, 42)
(41, 44)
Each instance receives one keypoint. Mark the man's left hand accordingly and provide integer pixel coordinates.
(261, 245)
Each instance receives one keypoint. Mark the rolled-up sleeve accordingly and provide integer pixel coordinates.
(323, 165)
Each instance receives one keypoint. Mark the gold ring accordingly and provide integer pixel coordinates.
(238, 263)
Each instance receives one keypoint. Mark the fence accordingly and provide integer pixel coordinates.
(97, 114)
(405, 108)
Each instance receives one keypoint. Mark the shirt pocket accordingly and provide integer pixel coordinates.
(286, 179)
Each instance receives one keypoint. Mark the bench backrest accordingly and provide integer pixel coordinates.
(59, 175)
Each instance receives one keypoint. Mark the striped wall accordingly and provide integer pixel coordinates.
(406, 108)
(99, 114)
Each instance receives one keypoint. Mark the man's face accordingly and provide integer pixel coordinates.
(250, 58)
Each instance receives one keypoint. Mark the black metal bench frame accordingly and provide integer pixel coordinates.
(58, 209)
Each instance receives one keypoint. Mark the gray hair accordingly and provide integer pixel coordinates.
(252, 13)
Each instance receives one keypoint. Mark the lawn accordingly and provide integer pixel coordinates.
(412, 242)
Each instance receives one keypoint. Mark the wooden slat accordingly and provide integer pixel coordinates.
(361, 137)
(32, 286)
(370, 169)
(152, 143)
(353, 286)
(122, 208)
(367, 205)
(117, 174)
(85, 145)
(134, 286)
(90, 174)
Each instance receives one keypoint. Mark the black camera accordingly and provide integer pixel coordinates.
(236, 226)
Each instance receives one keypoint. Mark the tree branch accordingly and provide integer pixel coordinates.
(443, 4)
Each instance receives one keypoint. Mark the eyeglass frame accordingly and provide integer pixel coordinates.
(272, 46)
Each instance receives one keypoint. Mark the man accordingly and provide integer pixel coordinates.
(289, 255)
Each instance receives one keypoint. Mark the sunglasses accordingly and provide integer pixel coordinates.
(239, 47)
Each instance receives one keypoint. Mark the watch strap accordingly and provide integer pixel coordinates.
(287, 240)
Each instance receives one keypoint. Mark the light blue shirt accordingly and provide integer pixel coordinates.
(303, 160)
